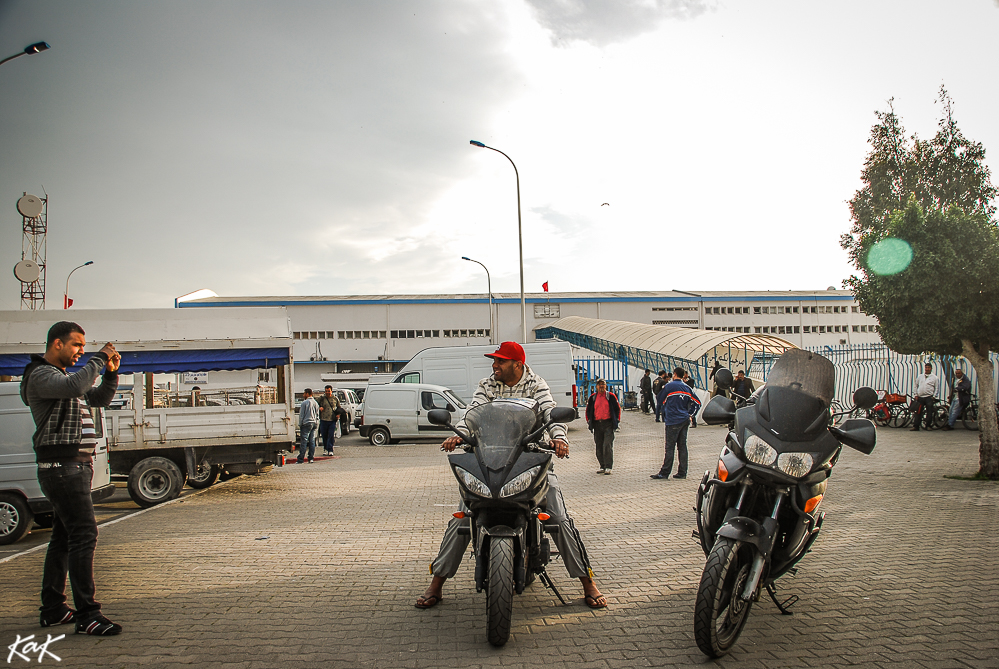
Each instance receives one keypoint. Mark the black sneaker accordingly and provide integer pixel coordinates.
(59, 618)
(679, 476)
(99, 626)
(659, 476)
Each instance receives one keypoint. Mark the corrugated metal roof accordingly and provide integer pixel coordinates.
(686, 343)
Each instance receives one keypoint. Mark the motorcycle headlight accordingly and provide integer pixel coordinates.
(519, 484)
(795, 464)
(472, 484)
(759, 451)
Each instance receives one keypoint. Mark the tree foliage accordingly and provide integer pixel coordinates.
(937, 197)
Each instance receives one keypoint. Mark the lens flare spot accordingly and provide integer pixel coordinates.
(889, 256)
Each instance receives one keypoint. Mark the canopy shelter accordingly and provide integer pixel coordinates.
(659, 347)
(159, 340)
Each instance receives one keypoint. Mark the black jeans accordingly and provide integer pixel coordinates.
(73, 541)
(327, 434)
(676, 438)
(922, 407)
(603, 438)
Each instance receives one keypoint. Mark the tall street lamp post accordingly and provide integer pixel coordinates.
(66, 302)
(29, 50)
(489, 287)
(520, 241)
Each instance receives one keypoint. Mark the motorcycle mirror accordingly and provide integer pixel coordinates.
(720, 410)
(858, 433)
(723, 377)
(865, 397)
(439, 417)
(563, 415)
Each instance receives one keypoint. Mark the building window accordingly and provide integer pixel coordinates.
(797, 329)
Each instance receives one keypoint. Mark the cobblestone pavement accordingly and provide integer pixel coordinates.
(318, 566)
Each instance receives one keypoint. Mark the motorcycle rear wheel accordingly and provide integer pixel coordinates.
(720, 614)
(499, 594)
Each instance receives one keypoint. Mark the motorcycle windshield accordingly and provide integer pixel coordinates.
(797, 395)
(499, 427)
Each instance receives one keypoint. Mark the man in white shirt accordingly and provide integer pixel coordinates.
(926, 395)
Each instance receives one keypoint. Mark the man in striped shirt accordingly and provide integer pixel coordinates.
(513, 378)
(64, 444)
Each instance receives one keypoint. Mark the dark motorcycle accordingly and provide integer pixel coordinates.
(503, 478)
(758, 514)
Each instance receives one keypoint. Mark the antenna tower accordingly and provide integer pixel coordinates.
(35, 223)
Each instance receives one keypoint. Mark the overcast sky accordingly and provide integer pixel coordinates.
(321, 148)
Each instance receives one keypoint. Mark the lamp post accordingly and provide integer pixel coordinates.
(29, 50)
(489, 287)
(520, 240)
(66, 302)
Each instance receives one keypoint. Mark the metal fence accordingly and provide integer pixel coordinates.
(879, 367)
(588, 370)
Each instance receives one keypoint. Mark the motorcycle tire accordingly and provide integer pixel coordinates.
(499, 594)
(719, 613)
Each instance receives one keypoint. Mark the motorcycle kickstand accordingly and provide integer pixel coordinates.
(548, 583)
(785, 606)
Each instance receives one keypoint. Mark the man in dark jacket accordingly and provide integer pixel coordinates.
(679, 405)
(603, 413)
(960, 397)
(657, 385)
(743, 385)
(329, 407)
(65, 441)
(645, 385)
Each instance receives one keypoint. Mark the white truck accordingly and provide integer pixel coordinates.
(460, 368)
(162, 439)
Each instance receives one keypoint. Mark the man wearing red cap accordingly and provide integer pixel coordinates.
(513, 378)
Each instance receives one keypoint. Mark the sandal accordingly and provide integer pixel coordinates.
(425, 602)
(598, 602)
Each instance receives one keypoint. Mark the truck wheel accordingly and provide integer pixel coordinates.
(204, 476)
(15, 518)
(154, 481)
(378, 436)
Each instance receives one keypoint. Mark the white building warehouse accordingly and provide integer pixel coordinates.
(363, 334)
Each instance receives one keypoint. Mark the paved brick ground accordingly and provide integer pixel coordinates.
(319, 565)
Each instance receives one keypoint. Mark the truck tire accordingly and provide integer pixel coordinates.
(154, 481)
(203, 477)
(379, 436)
(15, 518)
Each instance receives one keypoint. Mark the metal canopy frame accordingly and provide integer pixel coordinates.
(659, 347)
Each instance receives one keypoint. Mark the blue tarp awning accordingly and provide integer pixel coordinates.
(169, 362)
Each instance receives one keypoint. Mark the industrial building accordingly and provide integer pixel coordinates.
(337, 336)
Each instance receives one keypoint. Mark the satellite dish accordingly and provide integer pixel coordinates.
(27, 271)
(29, 206)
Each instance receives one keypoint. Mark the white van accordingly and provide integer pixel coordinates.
(460, 368)
(394, 411)
(21, 500)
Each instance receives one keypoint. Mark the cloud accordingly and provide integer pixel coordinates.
(602, 22)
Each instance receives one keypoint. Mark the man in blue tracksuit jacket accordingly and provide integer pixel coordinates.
(679, 405)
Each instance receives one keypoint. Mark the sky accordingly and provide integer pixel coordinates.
(322, 148)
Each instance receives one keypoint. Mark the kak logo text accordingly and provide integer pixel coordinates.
(26, 647)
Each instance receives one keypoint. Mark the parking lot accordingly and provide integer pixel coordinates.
(319, 565)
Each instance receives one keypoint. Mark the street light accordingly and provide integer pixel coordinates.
(66, 302)
(520, 240)
(29, 50)
(489, 287)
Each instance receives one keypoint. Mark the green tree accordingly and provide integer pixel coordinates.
(927, 247)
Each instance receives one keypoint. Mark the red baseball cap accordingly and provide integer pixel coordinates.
(509, 350)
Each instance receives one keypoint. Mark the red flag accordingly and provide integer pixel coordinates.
(545, 286)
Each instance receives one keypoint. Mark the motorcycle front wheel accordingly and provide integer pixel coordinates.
(499, 593)
(720, 614)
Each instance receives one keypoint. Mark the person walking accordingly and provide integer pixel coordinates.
(926, 394)
(742, 387)
(689, 380)
(645, 385)
(657, 385)
(308, 422)
(679, 404)
(328, 417)
(603, 413)
(960, 397)
(65, 442)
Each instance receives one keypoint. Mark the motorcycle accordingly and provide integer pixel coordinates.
(503, 479)
(758, 513)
